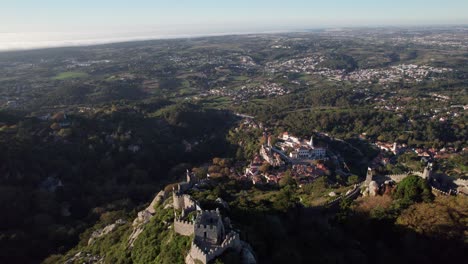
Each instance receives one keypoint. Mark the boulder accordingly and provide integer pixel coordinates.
(365, 192)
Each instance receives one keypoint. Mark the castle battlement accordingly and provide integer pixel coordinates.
(461, 181)
(440, 191)
(426, 174)
(181, 221)
(183, 227)
(183, 201)
(197, 253)
(231, 238)
(231, 241)
(207, 228)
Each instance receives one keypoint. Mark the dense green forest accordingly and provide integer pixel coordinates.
(56, 181)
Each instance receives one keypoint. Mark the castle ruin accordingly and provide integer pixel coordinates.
(212, 234)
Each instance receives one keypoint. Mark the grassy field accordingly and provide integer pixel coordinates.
(241, 78)
(217, 102)
(70, 75)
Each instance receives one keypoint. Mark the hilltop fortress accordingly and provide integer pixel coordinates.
(212, 234)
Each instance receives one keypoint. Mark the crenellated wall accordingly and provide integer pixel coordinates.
(211, 233)
(232, 240)
(209, 227)
(426, 174)
(198, 254)
(182, 201)
(183, 227)
(439, 191)
(397, 177)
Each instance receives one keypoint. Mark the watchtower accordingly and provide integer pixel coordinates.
(369, 175)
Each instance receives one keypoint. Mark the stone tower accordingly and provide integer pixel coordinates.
(394, 148)
(311, 142)
(427, 173)
(369, 175)
(189, 176)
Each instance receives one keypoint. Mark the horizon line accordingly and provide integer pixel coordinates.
(77, 43)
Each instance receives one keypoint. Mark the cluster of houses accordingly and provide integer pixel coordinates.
(303, 155)
(428, 153)
(309, 170)
(394, 147)
(307, 64)
(246, 92)
(409, 72)
(312, 65)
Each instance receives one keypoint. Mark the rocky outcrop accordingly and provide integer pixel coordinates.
(370, 190)
(157, 200)
(373, 188)
(144, 217)
(82, 257)
(106, 230)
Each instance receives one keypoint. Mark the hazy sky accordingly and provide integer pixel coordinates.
(25, 23)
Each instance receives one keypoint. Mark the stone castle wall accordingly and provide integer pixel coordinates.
(183, 201)
(212, 232)
(462, 186)
(209, 225)
(395, 177)
(439, 191)
(184, 228)
(232, 241)
(198, 254)
(461, 182)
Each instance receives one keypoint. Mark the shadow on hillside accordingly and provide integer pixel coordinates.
(314, 236)
(51, 186)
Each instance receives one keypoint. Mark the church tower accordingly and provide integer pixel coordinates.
(311, 142)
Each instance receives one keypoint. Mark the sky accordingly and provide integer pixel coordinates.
(46, 23)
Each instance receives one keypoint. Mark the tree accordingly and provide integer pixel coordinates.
(285, 199)
(216, 161)
(201, 172)
(214, 169)
(413, 189)
(353, 179)
(287, 180)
